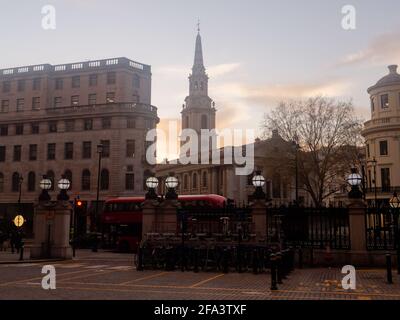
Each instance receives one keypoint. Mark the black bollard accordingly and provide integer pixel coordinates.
(225, 262)
(300, 258)
(140, 259)
(255, 261)
(279, 267)
(272, 259)
(389, 268)
(21, 252)
(196, 260)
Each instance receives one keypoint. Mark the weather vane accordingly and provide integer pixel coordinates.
(198, 25)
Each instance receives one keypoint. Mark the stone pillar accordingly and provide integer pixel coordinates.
(358, 239)
(167, 216)
(149, 210)
(51, 225)
(259, 218)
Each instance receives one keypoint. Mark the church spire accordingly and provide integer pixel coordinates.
(198, 66)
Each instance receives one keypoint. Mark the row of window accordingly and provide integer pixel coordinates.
(384, 102)
(69, 126)
(111, 79)
(32, 183)
(385, 178)
(57, 102)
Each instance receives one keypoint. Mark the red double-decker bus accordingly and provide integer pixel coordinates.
(122, 217)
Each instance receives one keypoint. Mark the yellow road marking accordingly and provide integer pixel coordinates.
(207, 280)
(98, 273)
(144, 278)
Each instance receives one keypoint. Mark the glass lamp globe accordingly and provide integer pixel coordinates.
(354, 179)
(152, 182)
(171, 182)
(258, 180)
(394, 202)
(45, 184)
(64, 184)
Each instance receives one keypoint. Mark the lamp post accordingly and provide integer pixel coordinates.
(94, 222)
(171, 183)
(394, 203)
(45, 185)
(258, 182)
(374, 162)
(151, 184)
(354, 180)
(20, 180)
(63, 185)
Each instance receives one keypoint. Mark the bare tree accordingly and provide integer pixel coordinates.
(327, 132)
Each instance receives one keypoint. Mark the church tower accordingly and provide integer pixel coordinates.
(198, 111)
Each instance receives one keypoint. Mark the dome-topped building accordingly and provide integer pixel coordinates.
(382, 138)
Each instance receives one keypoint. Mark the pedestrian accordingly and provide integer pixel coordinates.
(12, 241)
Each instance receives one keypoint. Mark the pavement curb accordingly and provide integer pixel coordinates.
(30, 261)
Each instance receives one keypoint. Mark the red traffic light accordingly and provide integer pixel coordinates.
(79, 203)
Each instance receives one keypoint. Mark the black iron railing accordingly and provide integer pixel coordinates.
(309, 227)
(380, 228)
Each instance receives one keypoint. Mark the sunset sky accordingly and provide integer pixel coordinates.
(256, 52)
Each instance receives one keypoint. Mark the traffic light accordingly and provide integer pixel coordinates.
(78, 203)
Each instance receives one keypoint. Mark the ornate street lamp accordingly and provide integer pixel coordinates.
(45, 185)
(258, 182)
(171, 183)
(394, 203)
(63, 185)
(151, 184)
(354, 180)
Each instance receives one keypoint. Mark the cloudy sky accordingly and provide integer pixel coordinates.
(257, 52)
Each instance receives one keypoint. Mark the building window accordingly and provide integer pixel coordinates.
(276, 186)
(51, 151)
(86, 180)
(52, 126)
(136, 81)
(19, 129)
(6, 86)
(69, 150)
(204, 122)
(2, 153)
(51, 176)
(15, 181)
(86, 150)
(88, 124)
(59, 83)
(130, 181)
(5, 104)
(104, 179)
(21, 85)
(93, 80)
(204, 179)
(31, 181)
(34, 128)
(76, 81)
(4, 130)
(384, 101)
(369, 179)
(185, 182)
(33, 152)
(131, 123)
(148, 124)
(57, 102)
(92, 99)
(110, 97)
(368, 153)
(36, 103)
(68, 176)
(130, 148)
(383, 148)
(74, 100)
(194, 181)
(106, 148)
(106, 123)
(385, 179)
(69, 125)
(20, 105)
(111, 78)
(36, 84)
(1, 182)
(17, 153)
